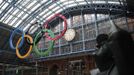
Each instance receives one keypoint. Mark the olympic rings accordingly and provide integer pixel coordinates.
(30, 48)
(36, 50)
(39, 26)
(33, 43)
(11, 38)
(35, 24)
(65, 26)
(40, 36)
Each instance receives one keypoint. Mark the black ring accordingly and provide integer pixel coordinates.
(27, 41)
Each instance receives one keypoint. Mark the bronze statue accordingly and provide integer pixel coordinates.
(115, 53)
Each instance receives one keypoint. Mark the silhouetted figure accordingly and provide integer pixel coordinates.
(122, 46)
(103, 55)
(115, 54)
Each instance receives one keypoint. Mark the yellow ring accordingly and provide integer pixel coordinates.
(30, 48)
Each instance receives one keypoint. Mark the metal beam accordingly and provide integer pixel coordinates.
(35, 13)
(8, 8)
(62, 56)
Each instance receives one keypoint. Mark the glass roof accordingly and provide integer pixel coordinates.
(22, 13)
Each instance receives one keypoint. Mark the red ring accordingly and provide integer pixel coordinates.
(65, 26)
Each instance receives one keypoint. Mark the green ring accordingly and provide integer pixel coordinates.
(51, 43)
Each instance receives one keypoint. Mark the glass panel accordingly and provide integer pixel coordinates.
(60, 4)
(89, 31)
(79, 0)
(65, 49)
(52, 6)
(67, 2)
(102, 16)
(31, 4)
(20, 14)
(27, 26)
(8, 19)
(35, 7)
(1, 11)
(77, 20)
(16, 10)
(43, 12)
(1, 1)
(90, 44)
(25, 2)
(5, 5)
(4, 16)
(11, 9)
(113, 2)
(24, 16)
(17, 24)
(81, 3)
(71, 5)
(26, 7)
(78, 34)
(58, 10)
(13, 21)
(7, 15)
(104, 27)
(77, 47)
(99, 1)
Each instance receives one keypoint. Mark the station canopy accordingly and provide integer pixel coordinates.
(22, 13)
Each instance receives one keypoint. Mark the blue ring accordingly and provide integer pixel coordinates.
(11, 38)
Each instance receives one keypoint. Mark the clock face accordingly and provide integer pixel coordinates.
(70, 34)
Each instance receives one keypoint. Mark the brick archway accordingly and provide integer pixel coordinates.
(54, 70)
